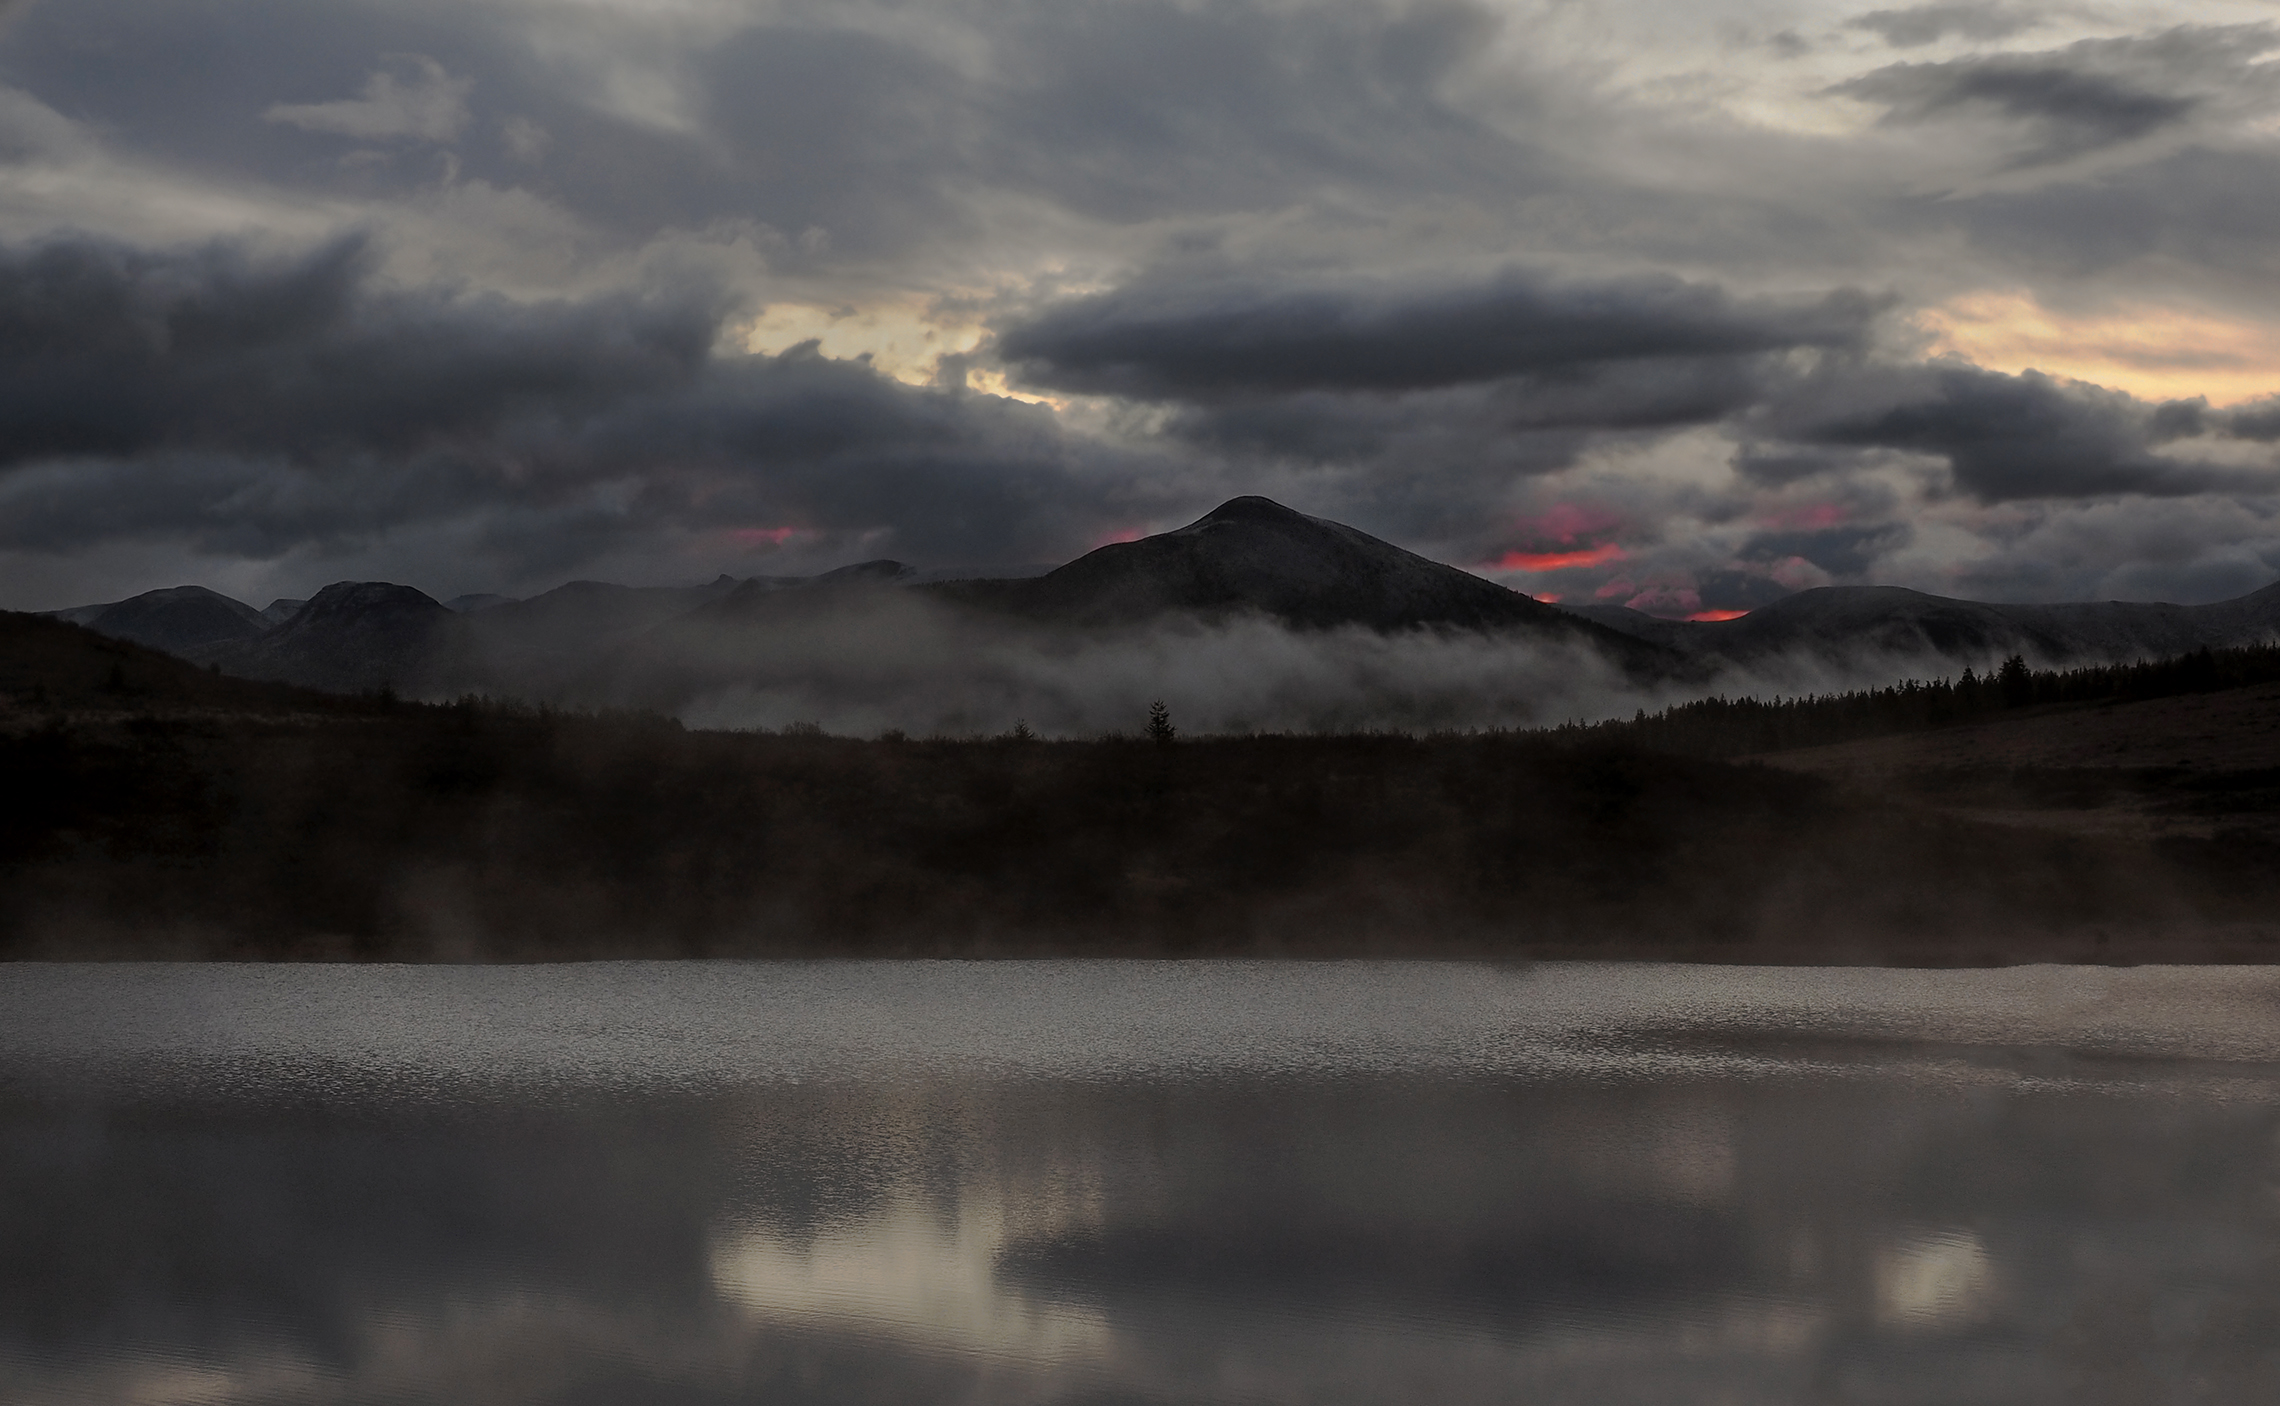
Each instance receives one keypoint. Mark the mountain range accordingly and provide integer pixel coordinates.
(1250, 556)
(592, 641)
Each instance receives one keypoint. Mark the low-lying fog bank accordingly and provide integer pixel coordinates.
(900, 664)
(873, 662)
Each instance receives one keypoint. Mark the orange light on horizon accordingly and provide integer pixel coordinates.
(1559, 561)
(2145, 349)
(771, 536)
(1712, 616)
(1548, 597)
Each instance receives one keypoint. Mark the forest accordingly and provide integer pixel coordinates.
(1733, 727)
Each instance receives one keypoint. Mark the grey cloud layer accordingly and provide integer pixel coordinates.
(2086, 96)
(254, 406)
(2011, 437)
(1620, 356)
(412, 97)
(1918, 25)
(110, 350)
(1273, 204)
(882, 131)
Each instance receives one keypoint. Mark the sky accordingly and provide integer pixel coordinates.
(1683, 306)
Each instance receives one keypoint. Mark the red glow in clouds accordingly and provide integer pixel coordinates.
(1122, 534)
(1559, 561)
(1548, 597)
(1570, 537)
(771, 536)
(1713, 615)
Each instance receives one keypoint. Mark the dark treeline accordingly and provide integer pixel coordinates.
(1735, 727)
(412, 832)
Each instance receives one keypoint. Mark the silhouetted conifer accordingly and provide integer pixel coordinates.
(2017, 684)
(1160, 727)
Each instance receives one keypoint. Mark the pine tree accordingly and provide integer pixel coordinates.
(2017, 683)
(1160, 722)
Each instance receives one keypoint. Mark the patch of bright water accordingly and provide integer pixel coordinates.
(1132, 1182)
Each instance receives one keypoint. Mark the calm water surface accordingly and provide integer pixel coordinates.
(1138, 1182)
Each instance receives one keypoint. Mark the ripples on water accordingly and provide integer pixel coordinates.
(1137, 1182)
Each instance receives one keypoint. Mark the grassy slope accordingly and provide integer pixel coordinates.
(50, 666)
(2198, 767)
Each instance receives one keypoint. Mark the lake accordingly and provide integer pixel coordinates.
(1138, 1182)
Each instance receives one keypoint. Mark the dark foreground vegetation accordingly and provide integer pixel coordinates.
(152, 810)
(472, 832)
(1736, 727)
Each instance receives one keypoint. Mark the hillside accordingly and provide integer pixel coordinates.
(53, 668)
(2193, 768)
(1862, 625)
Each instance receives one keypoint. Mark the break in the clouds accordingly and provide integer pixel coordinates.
(1679, 306)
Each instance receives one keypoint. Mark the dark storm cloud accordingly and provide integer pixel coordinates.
(2074, 111)
(2006, 437)
(2082, 98)
(1785, 462)
(1521, 424)
(2184, 419)
(1159, 342)
(2258, 420)
(251, 407)
(106, 350)
(1918, 25)
(802, 438)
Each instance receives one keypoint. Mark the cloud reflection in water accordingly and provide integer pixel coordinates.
(1139, 1182)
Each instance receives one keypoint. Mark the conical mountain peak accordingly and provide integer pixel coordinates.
(1251, 507)
(1253, 555)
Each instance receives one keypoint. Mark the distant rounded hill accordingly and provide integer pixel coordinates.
(352, 636)
(183, 620)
